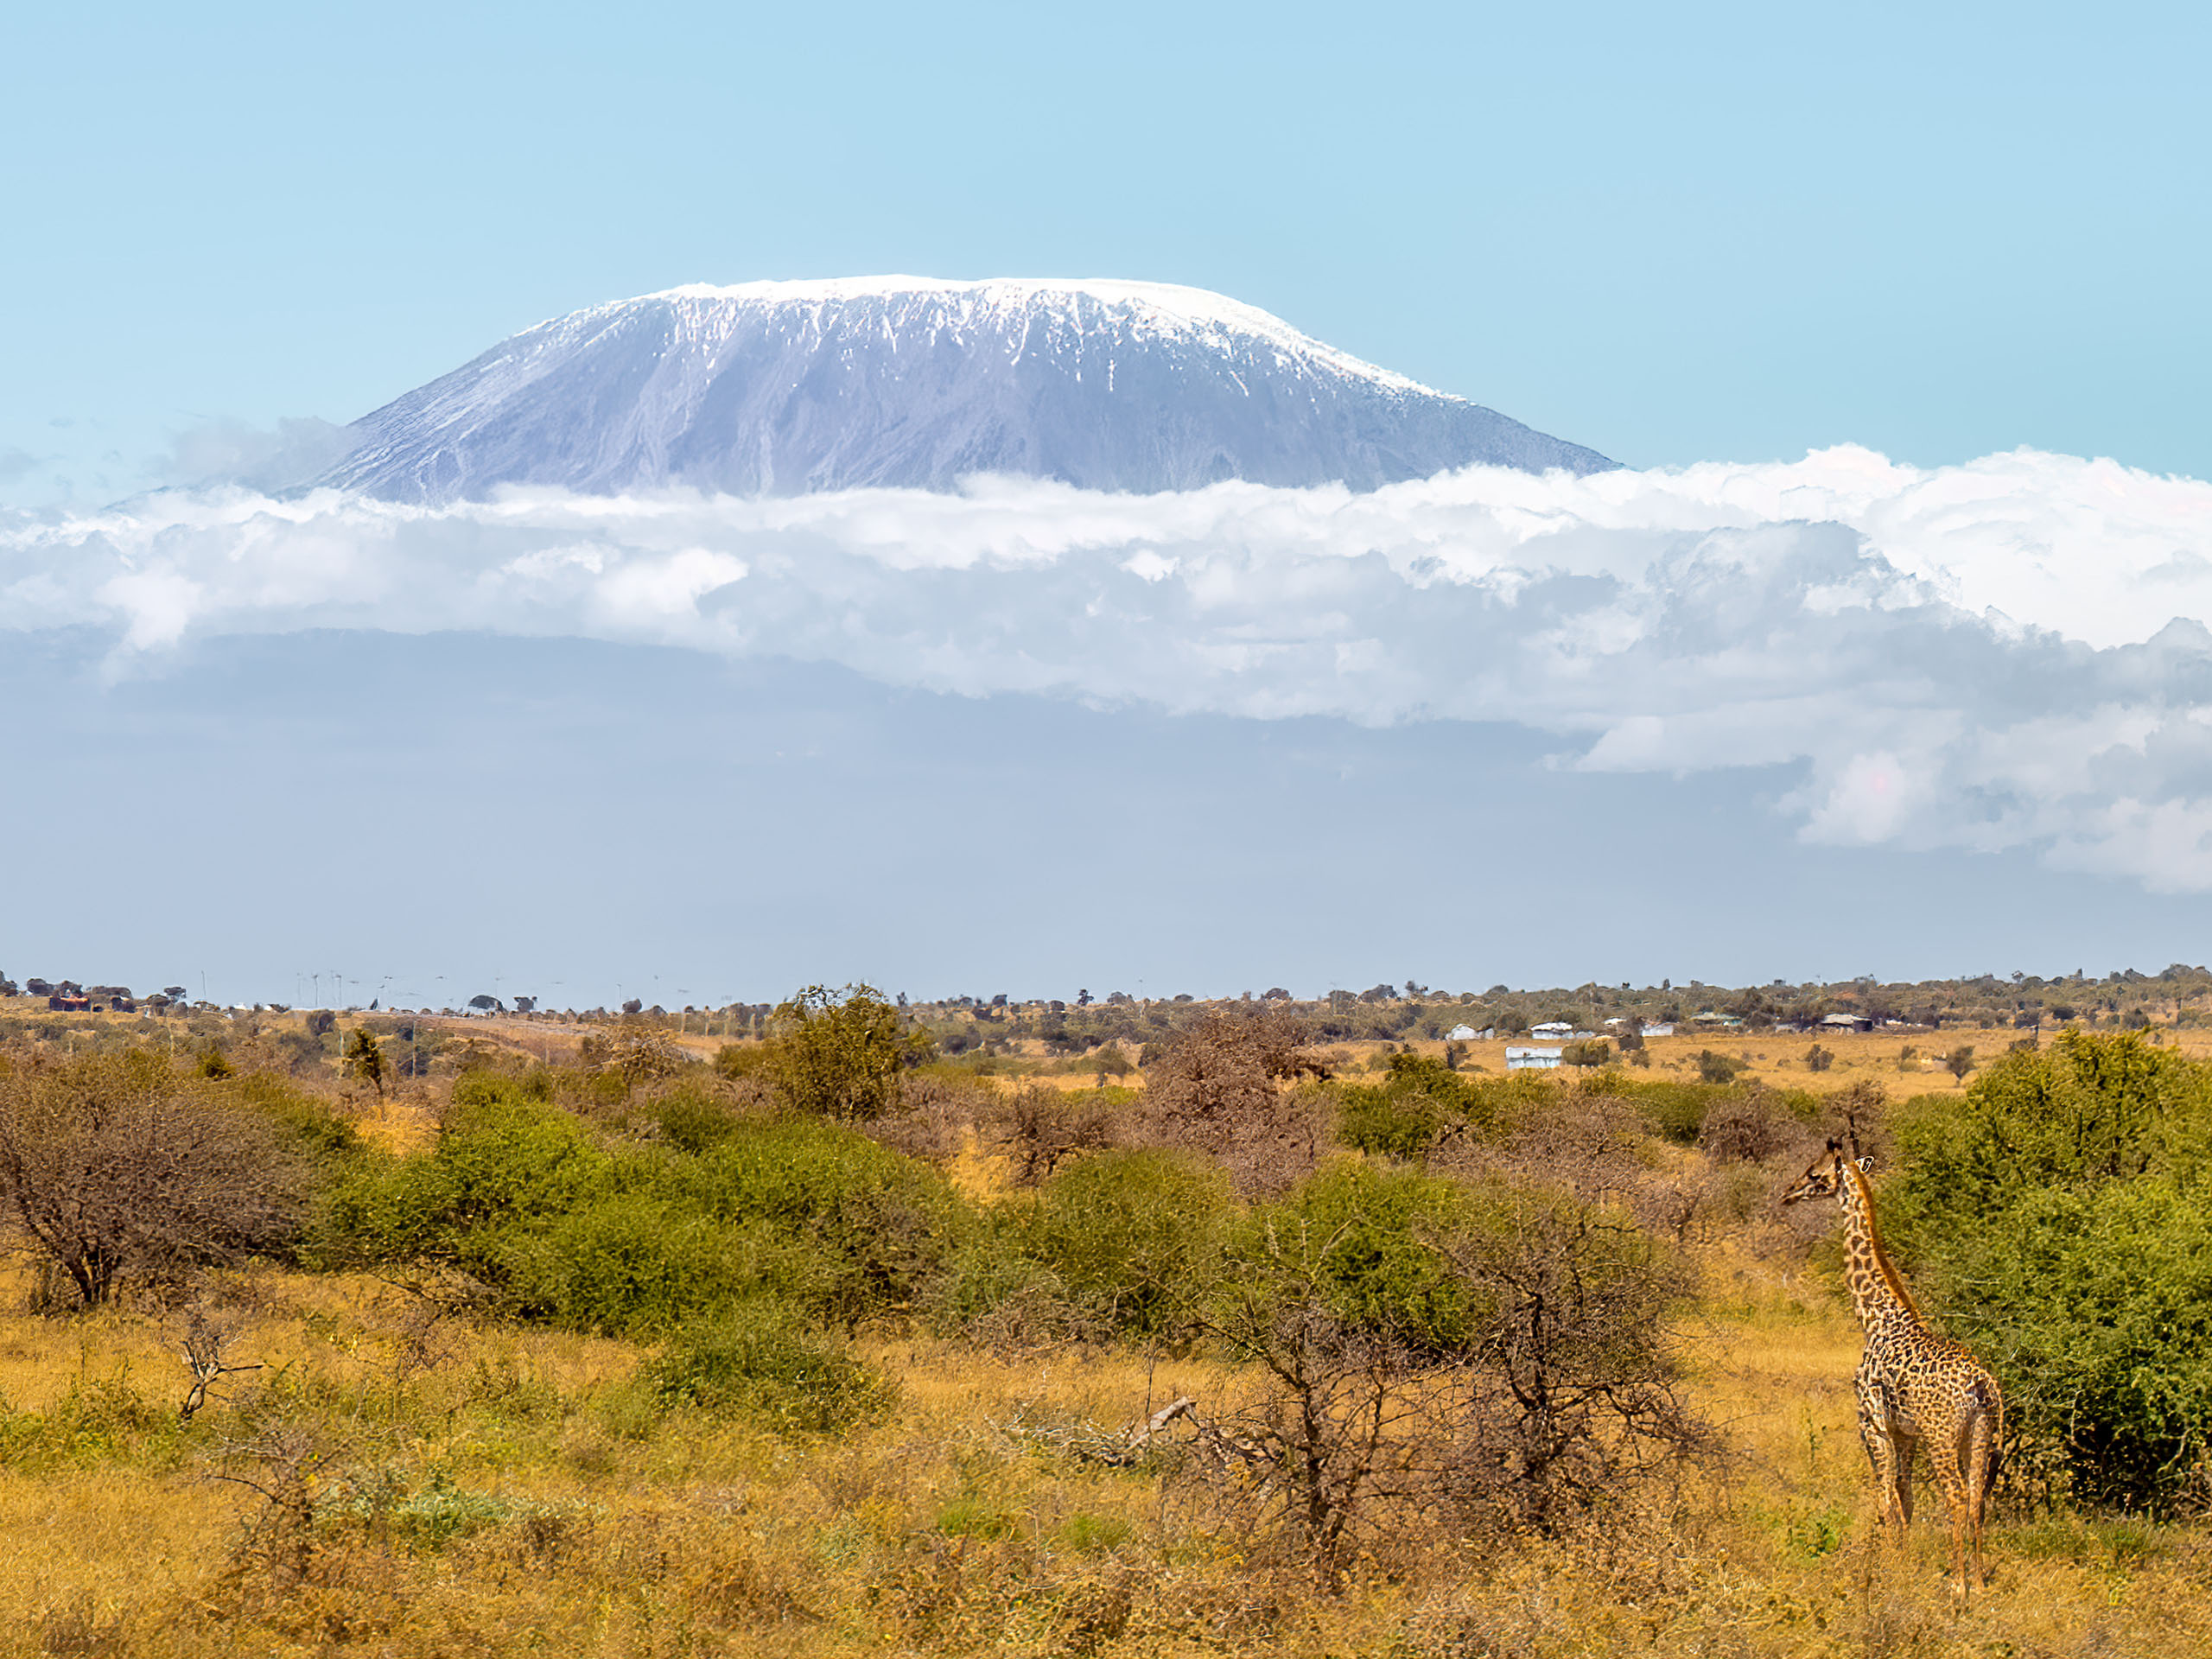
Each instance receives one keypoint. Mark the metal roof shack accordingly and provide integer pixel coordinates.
(1532, 1059)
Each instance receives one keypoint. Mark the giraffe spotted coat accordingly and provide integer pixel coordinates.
(1917, 1390)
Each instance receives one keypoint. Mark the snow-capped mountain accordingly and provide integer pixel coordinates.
(785, 388)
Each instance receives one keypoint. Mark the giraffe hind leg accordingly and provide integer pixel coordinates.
(1950, 1462)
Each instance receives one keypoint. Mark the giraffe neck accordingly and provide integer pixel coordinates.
(1876, 1291)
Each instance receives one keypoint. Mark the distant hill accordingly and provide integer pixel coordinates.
(787, 388)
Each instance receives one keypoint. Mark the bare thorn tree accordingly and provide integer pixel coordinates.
(204, 1340)
(119, 1166)
(283, 1464)
(1220, 1089)
(1551, 1396)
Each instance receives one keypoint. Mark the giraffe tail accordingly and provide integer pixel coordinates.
(1981, 1455)
(1982, 1458)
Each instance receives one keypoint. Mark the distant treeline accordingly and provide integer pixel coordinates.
(2180, 995)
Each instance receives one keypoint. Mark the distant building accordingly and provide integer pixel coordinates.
(1466, 1034)
(1836, 1022)
(61, 1004)
(1532, 1059)
(1662, 1029)
(1551, 1030)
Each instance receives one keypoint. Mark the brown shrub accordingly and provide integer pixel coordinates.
(930, 1117)
(1746, 1128)
(1040, 1127)
(1589, 1141)
(1218, 1089)
(635, 1050)
(121, 1166)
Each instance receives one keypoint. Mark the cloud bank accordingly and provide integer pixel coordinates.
(2001, 654)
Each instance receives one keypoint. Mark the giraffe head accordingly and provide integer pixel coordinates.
(1824, 1179)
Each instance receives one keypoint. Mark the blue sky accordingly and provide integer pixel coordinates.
(1815, 718)
(1677, 233)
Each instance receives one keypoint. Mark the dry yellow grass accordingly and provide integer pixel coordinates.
(935, 1531)
(599, 1530)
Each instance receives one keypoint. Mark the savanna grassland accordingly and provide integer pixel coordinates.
(607, 1337)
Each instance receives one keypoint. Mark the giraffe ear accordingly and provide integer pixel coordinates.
(1867, 1164)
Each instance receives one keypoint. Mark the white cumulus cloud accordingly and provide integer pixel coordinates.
(2005, 653)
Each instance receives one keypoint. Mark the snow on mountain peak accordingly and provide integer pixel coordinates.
(1162, 308)
(778, 388)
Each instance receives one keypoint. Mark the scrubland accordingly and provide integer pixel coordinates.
(483, 1417)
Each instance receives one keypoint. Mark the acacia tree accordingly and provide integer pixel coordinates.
(120, 1166)
(1487, 1354)
(838, 1053)
(366, 1057)
(1569, 1397)
(1218, 1089)
(637, 1051)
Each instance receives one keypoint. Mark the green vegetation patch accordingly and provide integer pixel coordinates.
(2063, 1213)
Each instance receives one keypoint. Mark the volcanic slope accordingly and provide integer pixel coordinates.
(788, 388)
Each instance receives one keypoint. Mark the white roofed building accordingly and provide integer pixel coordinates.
(1532, 1059)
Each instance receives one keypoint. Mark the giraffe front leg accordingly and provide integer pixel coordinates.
(1905, 1447)
(1891, 1508)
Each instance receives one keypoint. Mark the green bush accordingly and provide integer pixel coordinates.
(1368, 1238)
(2106, 1300)
(1717, 1068)
(626, 1264)
(1386, 1124)
(2087, 1109)
(2060, 1213)
(761, 1360)
(510, 1155)
(1134, 1236)
(878, 1223)
(1419, 1100)
(318, 1131)
(993, 1269)
(690, 1119)
(505, 1164)
(428, 1519)
(1676, 1110)
(518, 1193)
(839, 1053)
(737, 1060)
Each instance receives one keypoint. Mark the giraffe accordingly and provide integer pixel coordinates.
(1913, 1385)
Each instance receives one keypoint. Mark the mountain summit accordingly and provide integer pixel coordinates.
(784, 388)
